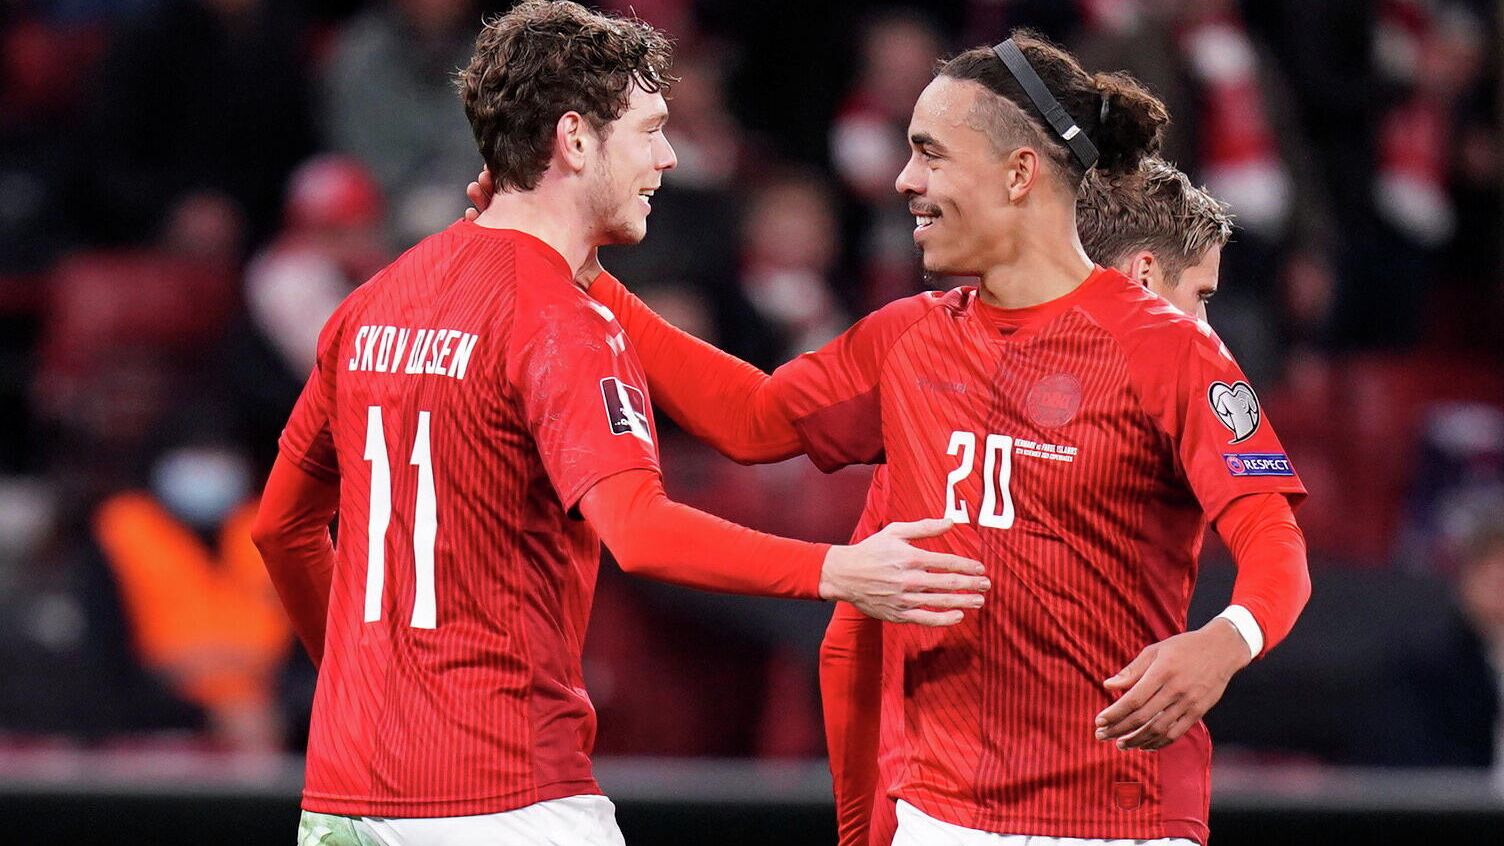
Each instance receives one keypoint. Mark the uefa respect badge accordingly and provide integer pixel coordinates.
(1258, 464)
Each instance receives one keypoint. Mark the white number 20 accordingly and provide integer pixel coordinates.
(997, 474)
(425, 521)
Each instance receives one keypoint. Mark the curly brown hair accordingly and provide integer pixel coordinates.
(543, 59)
(1155, 208)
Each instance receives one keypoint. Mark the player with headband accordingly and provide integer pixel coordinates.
(1079, 431)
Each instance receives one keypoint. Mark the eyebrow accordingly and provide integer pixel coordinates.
(924, 139)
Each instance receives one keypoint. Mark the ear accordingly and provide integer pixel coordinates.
(1023, 171)
(573, 142)
(1142, 267)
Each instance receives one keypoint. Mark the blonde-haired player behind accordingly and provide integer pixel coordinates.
(1157, 228)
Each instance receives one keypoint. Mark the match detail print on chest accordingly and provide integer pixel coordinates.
(1020, 425)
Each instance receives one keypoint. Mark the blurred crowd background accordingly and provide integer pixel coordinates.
(189, 187)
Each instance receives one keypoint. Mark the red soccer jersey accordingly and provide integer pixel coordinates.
(466, 398)
(883, 821)
(1081, 457)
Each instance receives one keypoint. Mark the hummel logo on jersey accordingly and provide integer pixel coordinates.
(1237, 407)
(939, 385)
(626, 408)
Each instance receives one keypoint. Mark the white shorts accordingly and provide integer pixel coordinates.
(916, 828)
(571, 821)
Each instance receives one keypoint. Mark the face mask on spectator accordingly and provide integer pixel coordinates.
(201, 484)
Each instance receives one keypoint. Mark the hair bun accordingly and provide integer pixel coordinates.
(1130, 122)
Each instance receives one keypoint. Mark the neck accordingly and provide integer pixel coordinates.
(1047, 263)
(557, 221)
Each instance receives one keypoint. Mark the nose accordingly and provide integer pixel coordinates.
(911, 179)
(665, 159)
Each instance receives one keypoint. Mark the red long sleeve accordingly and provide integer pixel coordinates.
(292, 533)
(1273, 581)
(716, 397)
(651, 535)
(850, 691)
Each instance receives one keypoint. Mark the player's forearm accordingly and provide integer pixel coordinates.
(1273, 581)
(292, 534)
(713, 395)
(850, 688)
(652, 536)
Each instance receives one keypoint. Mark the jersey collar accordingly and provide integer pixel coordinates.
(522, 239)
(1014, 324)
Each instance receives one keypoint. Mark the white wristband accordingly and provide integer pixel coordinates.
(1242, 620)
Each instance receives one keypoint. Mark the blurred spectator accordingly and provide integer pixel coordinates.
(332, 240)
(195, 94)
(125, 329)
(786, 62)
(329, 244)
(869, 145)
(869, 139)
(1461, 453)
(987, 20)
(63, 640)
(199, 607)
(789, 250)
(1431, 55)
(1236, 152)
(389, 100)
(1234, 127)
(1448, 676)
(43, 68)
(675, 17)
(1432, 60)
(709, 144)
(680, 307)
(44, 65)
(1432, 167)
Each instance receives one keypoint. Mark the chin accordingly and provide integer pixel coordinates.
(939, 267)
(939, 264)
(624, 236)
(627, 231)
(632, 235)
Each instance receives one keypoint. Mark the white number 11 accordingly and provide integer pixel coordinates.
(425, 521)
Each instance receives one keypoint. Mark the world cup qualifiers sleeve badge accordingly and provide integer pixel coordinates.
(1237, 407)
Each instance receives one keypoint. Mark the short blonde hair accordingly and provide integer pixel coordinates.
(1154, 208)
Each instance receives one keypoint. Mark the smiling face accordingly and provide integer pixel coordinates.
(955, 182)
(629, 168)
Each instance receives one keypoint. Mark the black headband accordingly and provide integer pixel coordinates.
(1054, 113)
